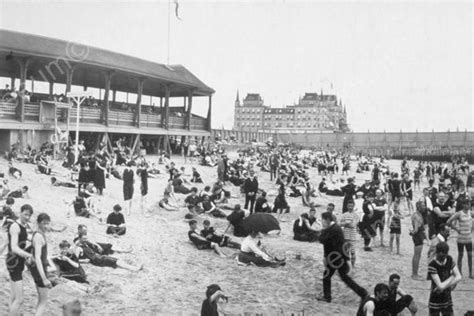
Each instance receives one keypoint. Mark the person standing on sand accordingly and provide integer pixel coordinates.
(38, 269)
(128, 182)
(444, 275)
(418, 236)
(335, 258)
(142, 172)
(250, 190)
(17, 257)
(464, 220)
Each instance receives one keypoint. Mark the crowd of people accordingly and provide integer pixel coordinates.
(368, 211)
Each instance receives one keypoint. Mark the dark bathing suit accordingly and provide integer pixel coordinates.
(15, 263)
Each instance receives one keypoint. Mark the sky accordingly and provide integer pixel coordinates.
(395, 65)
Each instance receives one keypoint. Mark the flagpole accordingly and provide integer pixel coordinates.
(169, 29)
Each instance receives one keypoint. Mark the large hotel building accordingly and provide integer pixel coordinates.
(313, 113)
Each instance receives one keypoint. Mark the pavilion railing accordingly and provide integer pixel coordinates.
(93, 115)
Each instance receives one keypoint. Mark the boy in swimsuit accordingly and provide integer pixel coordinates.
(17, 257)
(38, 268)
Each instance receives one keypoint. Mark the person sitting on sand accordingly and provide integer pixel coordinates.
(86, 252)
(251, 252)
(83, 206)
(14, 172)
(209, 305)
(223, 202)
(178, 184)
(116, 222)
(236, 219)
(56, 183)
(201, 242)
(7, 216)
(196, 177)
(20, 193)
(303, 229)
(192, 202)
(261, 204)
(210, 208)
(370, 305)
(222, 240)
(393, 306)
(165, 204)
(68, 265)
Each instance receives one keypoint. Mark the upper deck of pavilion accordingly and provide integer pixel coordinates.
(38, 58)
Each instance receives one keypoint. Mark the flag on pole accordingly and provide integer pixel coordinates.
(176, 9)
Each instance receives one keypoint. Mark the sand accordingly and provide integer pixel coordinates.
(175, 274)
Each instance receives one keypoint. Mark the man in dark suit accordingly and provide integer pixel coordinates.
(250, 190)
(335, 258)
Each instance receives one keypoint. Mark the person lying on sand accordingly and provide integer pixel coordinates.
(19, 193)
(14, 172)
(56, 183)
(86, 252)
(252, 252)
(102, 248)
(200, 242)
(222, 240)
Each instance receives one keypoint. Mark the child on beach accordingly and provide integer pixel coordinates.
(38, 268)
(395, 227)
(116, 222)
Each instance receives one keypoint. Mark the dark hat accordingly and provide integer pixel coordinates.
(117, 207)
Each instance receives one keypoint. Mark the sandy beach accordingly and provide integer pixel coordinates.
(176, 274)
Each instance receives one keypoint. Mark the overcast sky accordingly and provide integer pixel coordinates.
(394, 65)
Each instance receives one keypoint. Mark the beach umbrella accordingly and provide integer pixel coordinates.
(261, 222)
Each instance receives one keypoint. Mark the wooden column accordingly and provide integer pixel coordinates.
(51, 89)
(105, 105)
(209, 114)
(167, 108)
(32, 78)
(114, 95)
(20, 109)
(190, 106)
(69, 74)
(12, 83)
(138, 109)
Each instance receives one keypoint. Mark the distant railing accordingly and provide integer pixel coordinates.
(121, 118)
(7, 110)
(176, 122)
(86, 115)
